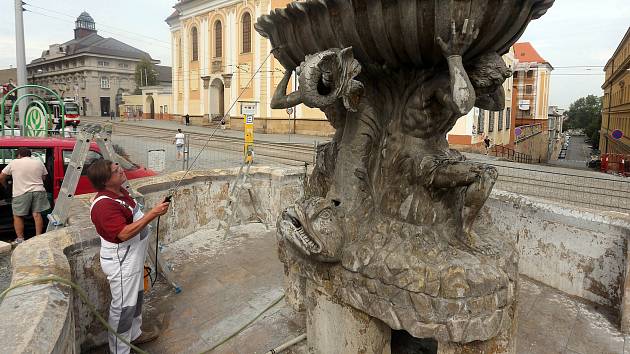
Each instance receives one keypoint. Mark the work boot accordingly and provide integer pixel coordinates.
(147, 336)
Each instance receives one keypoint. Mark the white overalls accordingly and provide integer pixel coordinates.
(123, 263)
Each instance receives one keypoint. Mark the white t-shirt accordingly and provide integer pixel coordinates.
(68, 131)
(179, 138)
(27, 175)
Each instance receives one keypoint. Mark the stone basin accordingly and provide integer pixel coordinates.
(394, 33)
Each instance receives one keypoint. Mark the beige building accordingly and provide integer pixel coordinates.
(616, 103)
(93, 70)
(470, 130)
(219, 61)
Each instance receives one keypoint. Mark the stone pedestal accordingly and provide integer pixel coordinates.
(335, 328)
(504, 343)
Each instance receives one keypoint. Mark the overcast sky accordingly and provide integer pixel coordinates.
(572, 33)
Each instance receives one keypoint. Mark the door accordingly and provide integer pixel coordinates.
(104, 106)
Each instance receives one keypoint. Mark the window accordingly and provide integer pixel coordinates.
(165, 109)
(104, 82)
(515, 74)
(89, 160)
(480, 121)
(490, 121)
(103, 63)
(218, 40)
(247, 32)
(530, 74)
(7, 154)
(195, 44)
(123, 65)
(508, 118)
(529, 89)
(500, 121)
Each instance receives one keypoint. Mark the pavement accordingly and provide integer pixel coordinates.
(173, 125)
(228, 282)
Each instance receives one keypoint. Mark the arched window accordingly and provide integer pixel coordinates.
(218, 40)
(195, 44)
(247, 32)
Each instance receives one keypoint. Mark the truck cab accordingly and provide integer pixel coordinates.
(55, 154)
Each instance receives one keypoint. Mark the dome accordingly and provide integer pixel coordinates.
(85, 21)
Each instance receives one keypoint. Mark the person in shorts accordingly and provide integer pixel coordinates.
(29, 193)
(179, 144)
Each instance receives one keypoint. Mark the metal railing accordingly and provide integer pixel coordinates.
(511, 154)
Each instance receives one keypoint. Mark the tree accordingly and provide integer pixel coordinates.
(146, 75)
(586, 113)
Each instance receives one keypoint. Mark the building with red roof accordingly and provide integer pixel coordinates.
(530, 94)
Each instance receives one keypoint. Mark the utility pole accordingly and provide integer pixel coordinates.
(146, 79)
(20, 57)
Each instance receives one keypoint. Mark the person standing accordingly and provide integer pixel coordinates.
(179, 144)
(486, 142)
(124, 232)
(187, 119)
(29, 193)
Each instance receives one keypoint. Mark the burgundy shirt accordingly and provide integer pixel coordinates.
(110, 217)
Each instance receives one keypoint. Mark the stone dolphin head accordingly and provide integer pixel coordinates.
(314, 228)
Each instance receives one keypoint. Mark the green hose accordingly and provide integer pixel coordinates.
(82, 295)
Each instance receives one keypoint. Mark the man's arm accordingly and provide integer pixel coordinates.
(135, 227)
(280, 98)
(3, 180)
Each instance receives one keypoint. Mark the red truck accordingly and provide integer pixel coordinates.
(55, 154)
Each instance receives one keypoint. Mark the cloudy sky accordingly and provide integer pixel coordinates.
(576, 36)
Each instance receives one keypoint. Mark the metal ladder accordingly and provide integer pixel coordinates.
(231, 209)
(59, 216)
(91, 132)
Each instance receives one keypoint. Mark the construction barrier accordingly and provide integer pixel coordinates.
(616, 163)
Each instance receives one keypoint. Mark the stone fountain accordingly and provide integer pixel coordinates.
(389, 241)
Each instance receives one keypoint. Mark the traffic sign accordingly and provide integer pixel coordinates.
(518, 131)
(616, 134)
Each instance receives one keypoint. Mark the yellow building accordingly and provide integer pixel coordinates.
(219, 61)
(616, 103)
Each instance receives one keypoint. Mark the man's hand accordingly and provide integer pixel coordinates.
(459, 42)
(160, 209)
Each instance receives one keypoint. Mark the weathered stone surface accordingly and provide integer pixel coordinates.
(340, 329)
(5, 247)
(388, 200)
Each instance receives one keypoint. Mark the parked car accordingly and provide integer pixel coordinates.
(55, 154)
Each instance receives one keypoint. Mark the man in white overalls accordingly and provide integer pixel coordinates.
(124, 232)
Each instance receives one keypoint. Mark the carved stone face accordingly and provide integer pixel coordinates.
(313, 227)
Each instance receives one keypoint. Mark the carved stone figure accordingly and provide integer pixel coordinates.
(390, 225)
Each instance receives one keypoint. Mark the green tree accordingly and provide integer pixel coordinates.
(586, 114)
(146, 75)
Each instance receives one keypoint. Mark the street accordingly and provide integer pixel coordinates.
(578, 150)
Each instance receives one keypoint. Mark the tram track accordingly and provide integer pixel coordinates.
(285, 152)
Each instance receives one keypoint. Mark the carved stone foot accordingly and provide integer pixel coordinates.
(334, 328)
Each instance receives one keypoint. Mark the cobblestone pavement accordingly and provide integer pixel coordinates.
(172, 125)
(227, 283)
(137, 148)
